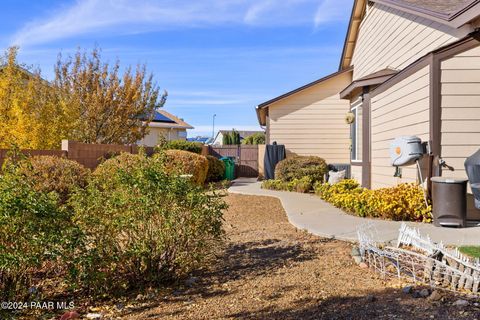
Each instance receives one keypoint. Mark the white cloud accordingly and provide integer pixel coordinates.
(332, 11)
(127, 16)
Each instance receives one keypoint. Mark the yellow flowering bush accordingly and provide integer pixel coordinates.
(402, 202)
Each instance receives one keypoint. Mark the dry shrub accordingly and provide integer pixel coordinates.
(145, 228)
(54, 174)
(186, 163)
(216, 169)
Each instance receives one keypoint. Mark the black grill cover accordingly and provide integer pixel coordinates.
(472, 166)
(274, 153)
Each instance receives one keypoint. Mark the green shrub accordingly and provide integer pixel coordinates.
(31, 228)
(231, 137)
(147, 227)
(256, 138)
(216, 169)
(303, 185)
(301, 166)
(195, 147)
(274, 184)
(402, 202)
(124, 162)
(186, 163)
(54, 174)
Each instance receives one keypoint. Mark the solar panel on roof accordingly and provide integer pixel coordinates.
(158, 117)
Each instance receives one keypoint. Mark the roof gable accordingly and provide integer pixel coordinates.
(453, 13)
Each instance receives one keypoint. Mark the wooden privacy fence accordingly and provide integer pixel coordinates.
(247, 163)
(30, 153)
(87, 154)
(246, 157)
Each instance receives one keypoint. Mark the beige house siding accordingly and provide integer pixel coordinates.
(401, 110)
(357, 173)
(312, 121)
(394, 39)
(460, 105)
(151, 139)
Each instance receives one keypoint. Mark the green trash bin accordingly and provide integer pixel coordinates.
(229, 168)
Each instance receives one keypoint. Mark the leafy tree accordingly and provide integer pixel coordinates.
(226, 138)
(30, 115)
(235, 136)
(104, 106)
(88, 101)
(256, 138)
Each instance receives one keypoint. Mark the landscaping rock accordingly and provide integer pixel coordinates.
(357, 259)
(460, 303)
(363, 265)
(407, 289)
(355, 251)
(424, 293)
(435, 296)
(190, 282)
(70, 315)
(94, 316)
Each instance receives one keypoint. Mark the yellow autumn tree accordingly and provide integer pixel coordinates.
(105, 106)
(88, 101)
(30, 115)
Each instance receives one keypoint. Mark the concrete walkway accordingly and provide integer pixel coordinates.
(309, 212)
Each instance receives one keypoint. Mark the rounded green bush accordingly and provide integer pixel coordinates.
(54, 174)
(31, 228)
(125, 162)
(216, 169)
(186, 163)
(148, 226)
(195, 147)
(301, 166)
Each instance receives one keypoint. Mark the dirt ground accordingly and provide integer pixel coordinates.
(271, 270)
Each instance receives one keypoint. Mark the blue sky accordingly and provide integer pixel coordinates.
(219, 57)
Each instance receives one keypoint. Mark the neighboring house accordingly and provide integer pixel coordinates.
(415, 71)
(310, 120)
(204, 140)
(243, 134)
(166, 124)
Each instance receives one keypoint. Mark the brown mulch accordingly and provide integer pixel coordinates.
(271, 270)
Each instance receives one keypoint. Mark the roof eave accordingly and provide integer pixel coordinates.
(355, 17)
(299, 89)
(347, 92)
(456, 20)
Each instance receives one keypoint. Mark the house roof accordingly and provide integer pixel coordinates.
(372, 79)
(164, 119)
(261, 114)
(454, 13)
(443, 9)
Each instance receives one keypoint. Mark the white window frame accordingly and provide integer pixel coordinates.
(354, 108)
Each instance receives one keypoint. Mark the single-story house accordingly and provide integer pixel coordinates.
(218, 141)
(310, 120)
(166, 124)
(415, 70)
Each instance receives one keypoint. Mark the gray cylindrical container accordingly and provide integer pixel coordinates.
(449, 200)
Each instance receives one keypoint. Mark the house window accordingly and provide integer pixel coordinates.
(356, 132)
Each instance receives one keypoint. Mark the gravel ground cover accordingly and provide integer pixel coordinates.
(271, 270)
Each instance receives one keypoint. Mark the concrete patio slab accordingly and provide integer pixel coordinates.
(309, 212)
